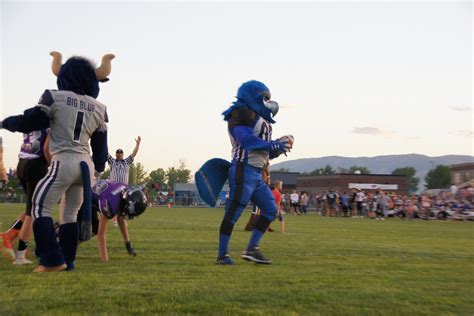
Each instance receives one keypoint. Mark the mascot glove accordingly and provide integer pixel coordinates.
(287, 138)
(281, 145)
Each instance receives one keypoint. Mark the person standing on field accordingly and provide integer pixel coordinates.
(119, 172)
(294, 201)
(120, 167)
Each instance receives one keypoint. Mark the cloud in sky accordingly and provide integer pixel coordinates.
(461, 108)
(463, 133)
(368, 130)
(291, 106)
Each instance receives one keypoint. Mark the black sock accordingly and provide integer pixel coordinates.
(22, 245)
(17, 224)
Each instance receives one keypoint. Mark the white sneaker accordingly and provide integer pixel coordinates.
(21, 258)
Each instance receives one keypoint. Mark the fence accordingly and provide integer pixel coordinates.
(12, 198)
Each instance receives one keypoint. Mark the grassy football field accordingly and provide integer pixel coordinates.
(321, 266)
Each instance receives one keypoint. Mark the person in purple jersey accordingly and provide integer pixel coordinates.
(112, 199)
(32, 167)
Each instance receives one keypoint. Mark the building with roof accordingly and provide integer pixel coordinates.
(288, 179)
(346, 181)
(461, 173)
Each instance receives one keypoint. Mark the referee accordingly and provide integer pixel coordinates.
(119, 167)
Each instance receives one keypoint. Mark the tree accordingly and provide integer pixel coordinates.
(157, 176)
(136, 174)
(178, 175)
(362, 169)
(13, 183)
(409, 173)
(438, 178)
(281, 170)
(106, 174)
(326, 170)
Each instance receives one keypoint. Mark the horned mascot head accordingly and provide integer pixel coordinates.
(80, 75)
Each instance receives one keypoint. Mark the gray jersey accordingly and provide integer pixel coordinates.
(73, 120)
(260, 128)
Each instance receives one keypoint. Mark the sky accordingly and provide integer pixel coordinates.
(352, 78)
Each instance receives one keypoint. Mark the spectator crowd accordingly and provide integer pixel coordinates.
(456, 204)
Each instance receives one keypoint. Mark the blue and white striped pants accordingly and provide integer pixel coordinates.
(63, 181)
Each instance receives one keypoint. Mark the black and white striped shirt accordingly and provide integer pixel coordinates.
(119, 169)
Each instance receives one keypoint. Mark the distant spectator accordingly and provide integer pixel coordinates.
(453, 190)
(294, 201)
(331, 199)
(345, 203)
(285, 201)
(383, 202)
(425, 206)
(359, 199)
(324, 203)
(411, 207)
(276, 190)
(304, 203)
(443, 213)
(371, 205)
(352, 202)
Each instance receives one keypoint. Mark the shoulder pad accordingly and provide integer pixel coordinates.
(46, 98)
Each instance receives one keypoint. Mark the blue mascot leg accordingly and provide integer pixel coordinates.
(86, 223)
(240, 190)
(231, 216)
(68, 239)
(47, 247)
(263, 198)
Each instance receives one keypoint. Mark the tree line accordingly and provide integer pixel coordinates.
(164, 179)
(159, 179)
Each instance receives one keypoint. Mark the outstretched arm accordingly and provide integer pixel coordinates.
(241, 125)
(137, 146)
(122, 223)
(32, 119)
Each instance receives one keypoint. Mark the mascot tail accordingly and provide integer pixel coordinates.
(210, 179)
(86, 225)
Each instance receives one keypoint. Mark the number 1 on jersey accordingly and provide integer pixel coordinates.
(78, 127)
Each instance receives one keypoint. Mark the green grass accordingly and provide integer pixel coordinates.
(326, 266)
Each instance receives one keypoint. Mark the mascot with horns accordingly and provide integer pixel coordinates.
(249, 124)
(74, 117)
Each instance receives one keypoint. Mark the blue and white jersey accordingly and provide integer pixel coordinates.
(260, 130)
(73, 120)
(33, 145)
